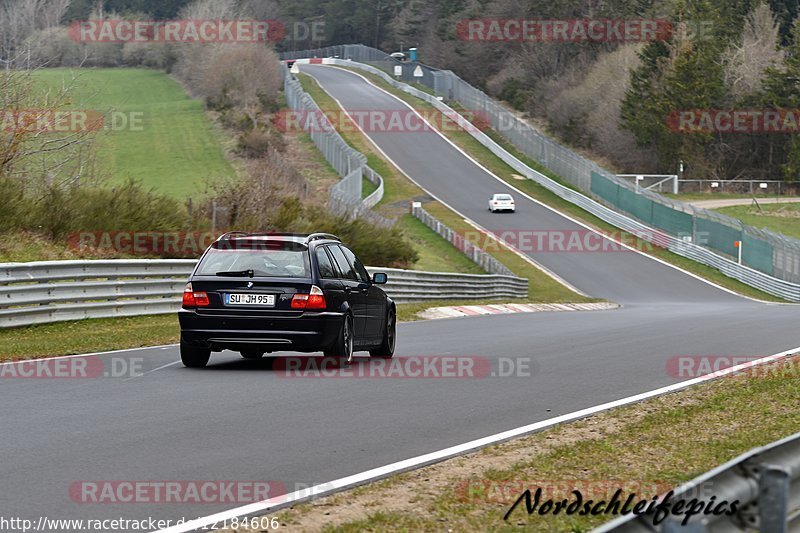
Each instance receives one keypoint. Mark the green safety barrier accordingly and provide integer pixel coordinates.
(672, 221)
(717, 236)
(757, 254)
(636, 204)
(605, 188)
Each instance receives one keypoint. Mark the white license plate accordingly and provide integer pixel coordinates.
(267, 300)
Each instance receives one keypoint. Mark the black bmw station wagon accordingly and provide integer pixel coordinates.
(260, 293)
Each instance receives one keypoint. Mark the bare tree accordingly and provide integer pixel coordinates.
(758, 50)
(587, 105)
(19, 19)
(211, 9)
(260, 9)
(31, 146)
(52, 13)
(245, 75)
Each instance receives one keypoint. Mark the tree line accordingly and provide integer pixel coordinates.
(613, 100)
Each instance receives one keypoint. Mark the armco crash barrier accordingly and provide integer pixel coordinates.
(777, 273)
(765, 483)
(54, 291)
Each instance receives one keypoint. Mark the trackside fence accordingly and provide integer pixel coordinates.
(765, 481)
(54, 291)
(770, 262)
(345, 197)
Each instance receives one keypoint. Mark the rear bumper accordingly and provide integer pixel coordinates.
(309, 332)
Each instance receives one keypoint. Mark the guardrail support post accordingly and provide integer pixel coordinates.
(773, 501)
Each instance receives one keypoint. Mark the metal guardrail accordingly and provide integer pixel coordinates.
(54, 291)
(769, 284)
(476, 254)
(377, 195)
(765, 481)
(406, 286)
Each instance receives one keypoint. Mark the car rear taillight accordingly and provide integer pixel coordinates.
(194, 299)
(315, 299)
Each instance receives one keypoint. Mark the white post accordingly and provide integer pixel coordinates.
(739, 246)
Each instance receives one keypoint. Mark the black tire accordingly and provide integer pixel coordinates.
(252, 354)
(343, 347)
(193, 356)
(386, 349)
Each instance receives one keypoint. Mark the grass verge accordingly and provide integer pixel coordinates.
(86, 336)
(782, 218)
(24, 246)
(635, 448)
(436, 254)
(486, 158)
(166, 142)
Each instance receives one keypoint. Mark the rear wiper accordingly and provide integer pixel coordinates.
(241, 273)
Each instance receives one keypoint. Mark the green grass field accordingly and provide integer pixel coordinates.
(174, 150)
(783, 218)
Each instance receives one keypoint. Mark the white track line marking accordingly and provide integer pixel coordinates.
(553, 209)
(453, 451)
(111, 352)
(154, 370)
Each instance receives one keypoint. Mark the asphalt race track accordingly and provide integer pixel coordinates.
(245, 420)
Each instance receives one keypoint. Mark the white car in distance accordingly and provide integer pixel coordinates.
(501, 202)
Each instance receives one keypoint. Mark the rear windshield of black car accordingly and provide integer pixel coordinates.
(264, 259)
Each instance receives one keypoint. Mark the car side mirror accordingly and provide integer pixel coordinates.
(379, 278)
